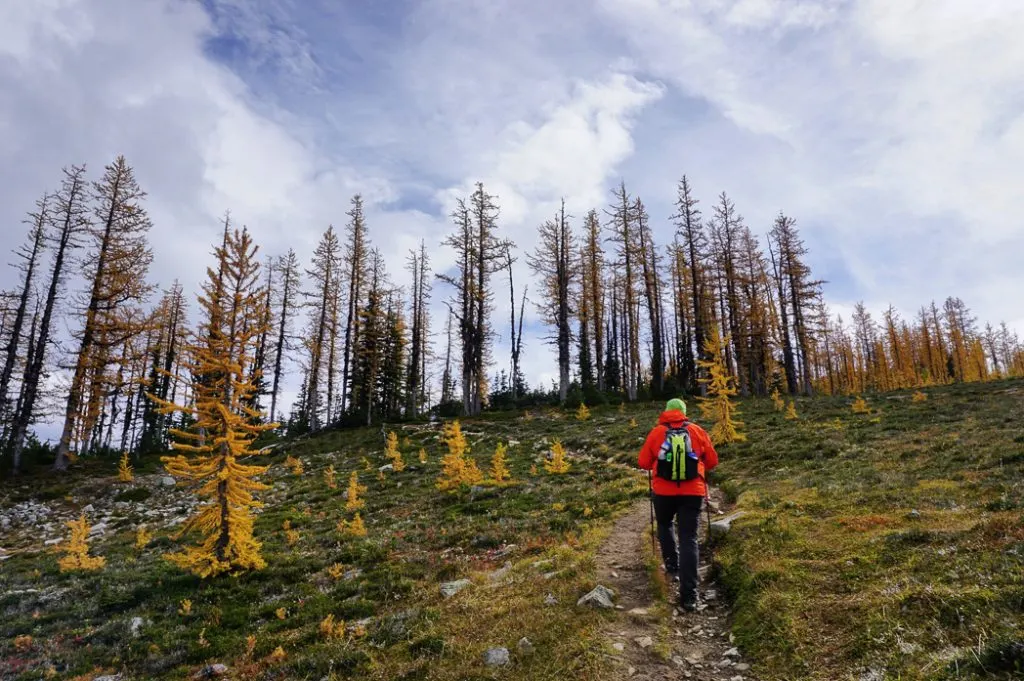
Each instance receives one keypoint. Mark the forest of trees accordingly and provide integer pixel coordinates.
(90, 344)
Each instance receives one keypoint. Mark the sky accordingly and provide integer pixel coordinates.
(891, 130)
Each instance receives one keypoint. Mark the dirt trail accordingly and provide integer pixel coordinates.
(653, 640)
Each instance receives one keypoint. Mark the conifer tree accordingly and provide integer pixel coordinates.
(76, 549)
(558, 464)
(593, 293)
(118, 266)
(322, 300)
(650, 266)
(285, 296)
(224, 427)
(416, 381)
(392, 453)
(553, 263)
(693, 241)
(355, 490)
(499, 466)
(622, 227)
(718, 404)
(457, 466)
(30, 254)
(356, 264)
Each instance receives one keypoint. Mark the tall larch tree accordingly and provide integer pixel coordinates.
(622, 226)
(165, 358)
(284, 299)
(554, 264)
(224, 426)
(693, 240)
(650, 267)
(356, 263)
(29, 256)
(321, 300)
(116, 271)
(593, 274)
(479, 253)
(416, 376)
(68, 222)
(515, 331)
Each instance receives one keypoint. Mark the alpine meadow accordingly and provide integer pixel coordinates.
(338, 343)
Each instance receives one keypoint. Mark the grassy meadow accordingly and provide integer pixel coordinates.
(886, 545)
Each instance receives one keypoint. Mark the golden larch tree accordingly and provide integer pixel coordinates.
(557, 464)
(224, 426)
(457, 467)
(76, 549)
(718, 405)
(124, 468)
(354, 502)
(499, 466)
(393, 454)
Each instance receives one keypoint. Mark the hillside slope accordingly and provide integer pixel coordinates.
(874, 546)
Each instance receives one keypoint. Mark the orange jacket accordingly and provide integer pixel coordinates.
(707, 457)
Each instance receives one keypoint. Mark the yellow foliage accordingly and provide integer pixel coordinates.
(777, 400)
(527, 415)
(423, 455)
(558, 507)
(352, 528)
(281, 613)
(336, 571)
(860, 406)
(533, 469)
(392, 452)
(22, 643)
(290, 535)
(587, 511)
(250, 645)
(278, 655)
(124, 469)
(583, 413)
(142, 537)
(367, 466)
(633, 423)
(77, 549)
(330, 629)
(457, 467)
(185, 608)
(329, 477)
(919, 396)
(557, 464)
(622, 407)
(354, 502)
(295, 465)
(791, 411)
(718, 406)
(203, 643)
(499, 468)
(224, 425)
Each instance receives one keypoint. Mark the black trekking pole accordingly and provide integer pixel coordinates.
(650, 497)
(707, 512)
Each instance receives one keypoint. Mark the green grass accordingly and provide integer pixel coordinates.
(891, 541)
(418, 537)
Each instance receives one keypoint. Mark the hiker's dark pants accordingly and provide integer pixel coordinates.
(685, 510)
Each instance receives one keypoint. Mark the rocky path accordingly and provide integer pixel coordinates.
(652, 640)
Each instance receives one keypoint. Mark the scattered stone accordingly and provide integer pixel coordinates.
(500, 573)
(51, 542)
(736, 678)
(497, 657)
(732, 652)
(600, 597)
(872, 675)
(742, 667)
(135, 626)
(387, 468)
(449, 589)
(550, 600)
(914, 514)
(88, 509)
(619, 646)
(644, 642)
(551, 575)
(631, 671)
(108, 677)
(721, 527)
(166, 481)
(677, 661)
(524, 646)
(639, 612)
(211, 671)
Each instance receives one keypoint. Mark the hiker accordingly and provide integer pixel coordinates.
(679, 453)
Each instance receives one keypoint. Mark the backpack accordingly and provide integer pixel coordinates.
(677, 462)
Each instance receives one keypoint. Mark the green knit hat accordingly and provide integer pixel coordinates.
(676, 404)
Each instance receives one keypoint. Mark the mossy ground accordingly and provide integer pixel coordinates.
(417, 538)
(889, 544)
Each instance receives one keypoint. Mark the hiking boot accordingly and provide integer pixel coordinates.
(672, 573)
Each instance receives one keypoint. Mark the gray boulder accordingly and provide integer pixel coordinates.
(720, 528)
(449, 589)
(600, 597)
(497, 657)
